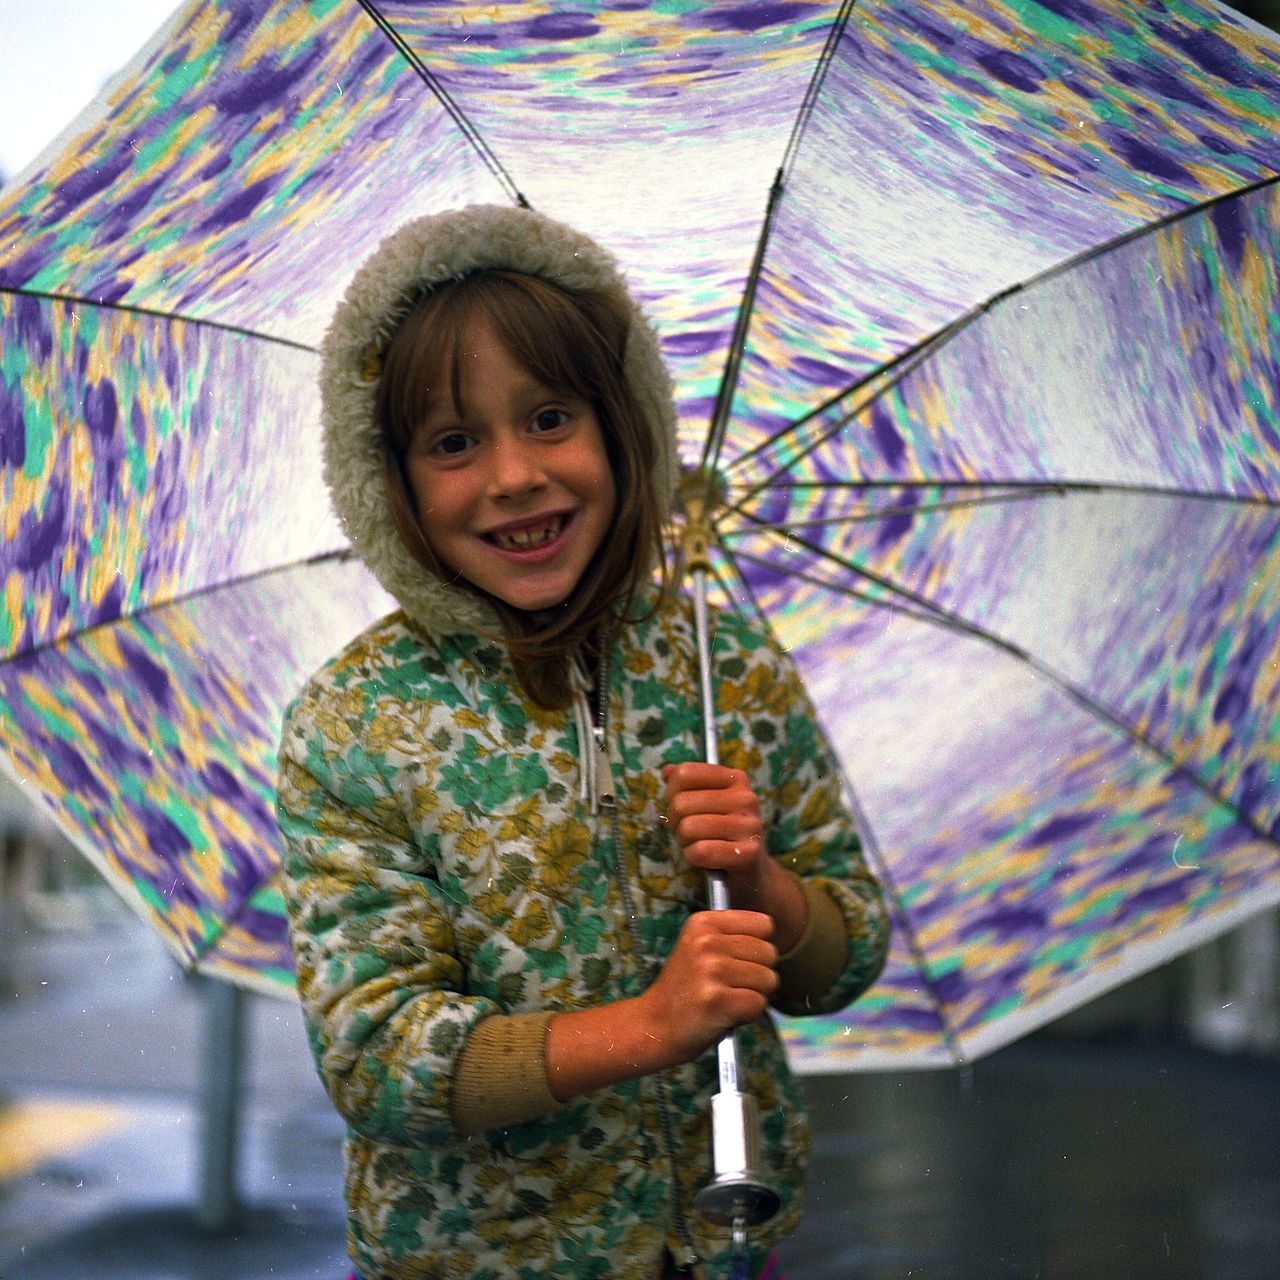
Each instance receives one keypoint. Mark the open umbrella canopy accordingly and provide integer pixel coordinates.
(971, 312)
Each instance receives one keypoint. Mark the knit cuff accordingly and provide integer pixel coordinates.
(501, 1074)
(812, 966)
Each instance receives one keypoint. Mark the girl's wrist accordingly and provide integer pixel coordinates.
(782, 897)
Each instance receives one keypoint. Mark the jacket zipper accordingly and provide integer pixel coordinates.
(609, 801)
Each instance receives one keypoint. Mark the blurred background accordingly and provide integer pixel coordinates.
(153, 1125)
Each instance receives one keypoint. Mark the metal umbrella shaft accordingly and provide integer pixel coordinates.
(737, 1196)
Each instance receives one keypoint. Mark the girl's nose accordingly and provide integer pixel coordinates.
(515, 469)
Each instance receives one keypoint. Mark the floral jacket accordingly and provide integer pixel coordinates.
(442, 869)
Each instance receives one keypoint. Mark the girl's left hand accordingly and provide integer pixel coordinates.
(715, 817)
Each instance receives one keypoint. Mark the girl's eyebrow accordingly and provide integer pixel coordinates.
(530, 388)
(437, 418)
(437, 414)
(435, 403)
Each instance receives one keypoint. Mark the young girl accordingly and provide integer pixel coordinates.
(497, 824)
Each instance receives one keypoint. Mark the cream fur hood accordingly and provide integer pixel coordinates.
(421, 253)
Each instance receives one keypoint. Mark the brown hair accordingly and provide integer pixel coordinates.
(573, 343)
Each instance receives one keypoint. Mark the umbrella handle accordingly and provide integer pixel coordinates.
(717, 883)
(738, 1196)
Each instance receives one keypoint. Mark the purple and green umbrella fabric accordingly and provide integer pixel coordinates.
(971, 309)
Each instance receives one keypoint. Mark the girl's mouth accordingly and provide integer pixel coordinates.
(531, 536)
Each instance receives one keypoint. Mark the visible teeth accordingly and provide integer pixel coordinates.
(524, 539)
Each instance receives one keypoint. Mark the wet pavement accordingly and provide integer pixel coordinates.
(1107, 1157)
(104, 1019)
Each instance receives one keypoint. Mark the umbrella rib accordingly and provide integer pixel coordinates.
(935, 613)
(1099, 709)
(917, 484)
(1062, 487)
(901, 920)
(814, 88)
(927, 346)
(737, 343)
(882, 513)
(209, 942)
(742, 322)
(891, 371)
(852, 593)
(729, 594)
(867, 833)
(455, 112)
(153, 313)
(335, 557)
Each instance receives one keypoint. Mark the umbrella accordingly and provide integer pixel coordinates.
(970, 308)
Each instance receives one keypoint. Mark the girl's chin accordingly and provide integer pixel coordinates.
(535, 604)
(539, 606)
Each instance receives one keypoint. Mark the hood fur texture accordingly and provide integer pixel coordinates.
(419, 254)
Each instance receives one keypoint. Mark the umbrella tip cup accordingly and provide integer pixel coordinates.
(737, 1202)
(737, 1193)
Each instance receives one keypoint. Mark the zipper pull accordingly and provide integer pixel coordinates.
(605, 793)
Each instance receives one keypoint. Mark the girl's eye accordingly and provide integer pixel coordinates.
(452, 444)
(549, 419)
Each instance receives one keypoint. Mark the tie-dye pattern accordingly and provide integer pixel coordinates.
(154, 743)
(957, 149)
(908, 463)
(145, 458)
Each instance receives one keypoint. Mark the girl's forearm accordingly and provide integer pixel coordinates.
(592, 1048)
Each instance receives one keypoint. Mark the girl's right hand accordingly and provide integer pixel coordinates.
(719, 975)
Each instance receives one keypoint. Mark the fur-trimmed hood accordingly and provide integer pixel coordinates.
(419, 254)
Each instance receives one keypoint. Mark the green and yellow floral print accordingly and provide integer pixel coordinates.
(442, 870)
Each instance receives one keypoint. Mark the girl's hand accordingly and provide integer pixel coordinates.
(715, 817)
(719, 975)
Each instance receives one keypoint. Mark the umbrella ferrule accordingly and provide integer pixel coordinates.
(695, 546)
(702, 493)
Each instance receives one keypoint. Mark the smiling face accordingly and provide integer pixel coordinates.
(510, 481)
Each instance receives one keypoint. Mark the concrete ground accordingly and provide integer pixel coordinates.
(1107, 1157)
